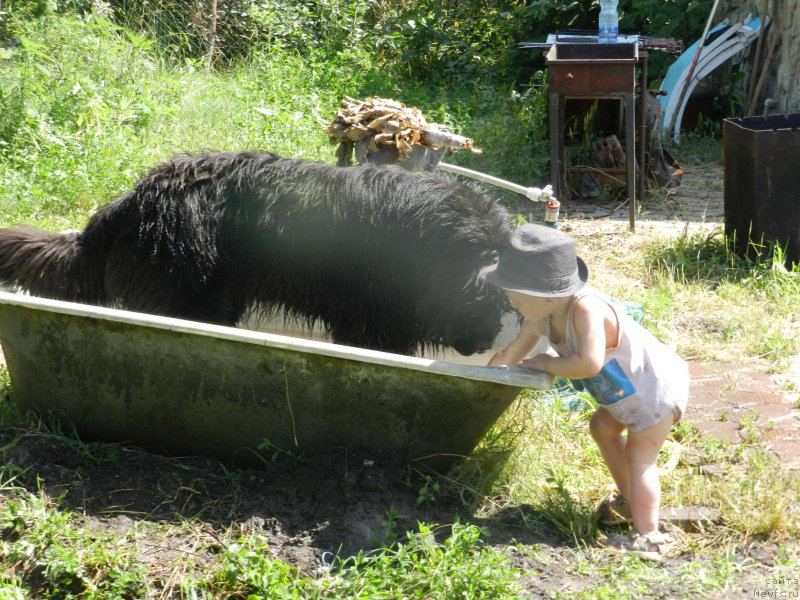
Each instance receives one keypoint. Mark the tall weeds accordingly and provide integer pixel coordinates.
(87, 106)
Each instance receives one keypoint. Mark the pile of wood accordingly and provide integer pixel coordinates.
(374, 124)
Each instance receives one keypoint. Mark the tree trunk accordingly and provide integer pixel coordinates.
(780, 93)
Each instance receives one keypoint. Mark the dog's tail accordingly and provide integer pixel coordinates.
(51, 265)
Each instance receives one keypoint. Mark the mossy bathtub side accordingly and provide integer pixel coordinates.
(181, 387)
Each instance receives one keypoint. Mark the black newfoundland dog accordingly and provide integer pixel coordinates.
(382, 258)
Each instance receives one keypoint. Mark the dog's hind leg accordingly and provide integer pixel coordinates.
(222, 302)
(216, 300)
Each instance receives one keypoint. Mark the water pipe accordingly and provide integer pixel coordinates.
(532, 193)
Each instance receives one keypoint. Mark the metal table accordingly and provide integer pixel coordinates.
(597, 71)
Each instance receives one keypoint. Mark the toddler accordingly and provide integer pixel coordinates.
(639, 384)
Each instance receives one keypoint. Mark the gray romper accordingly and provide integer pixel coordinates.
(641, 381)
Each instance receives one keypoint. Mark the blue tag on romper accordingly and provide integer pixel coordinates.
(610, 385)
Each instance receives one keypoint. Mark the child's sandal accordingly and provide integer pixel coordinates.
(614, 510)
(652, 546)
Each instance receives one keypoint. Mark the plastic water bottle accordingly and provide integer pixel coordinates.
(609, 22)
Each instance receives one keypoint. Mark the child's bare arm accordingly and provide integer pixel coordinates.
(527, 339)
(589, 320)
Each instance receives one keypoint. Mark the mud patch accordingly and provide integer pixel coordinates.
(178, 513)
(334, 502)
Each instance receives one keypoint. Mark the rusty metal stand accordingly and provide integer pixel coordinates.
(578, 76)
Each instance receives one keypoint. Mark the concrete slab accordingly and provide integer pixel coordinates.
(690, 518)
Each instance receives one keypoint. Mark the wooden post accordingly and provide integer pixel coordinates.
(212, 36)
(775, 38)
(756, 62)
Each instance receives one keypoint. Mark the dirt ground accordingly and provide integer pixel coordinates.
(304, 509)
(698, 203)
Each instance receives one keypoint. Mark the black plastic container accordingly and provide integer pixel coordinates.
(762, 182)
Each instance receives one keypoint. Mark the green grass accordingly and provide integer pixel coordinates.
(458, 567)
(538, 468)
(699, 295)
(702, 275)
(53, 554)
(754, 490)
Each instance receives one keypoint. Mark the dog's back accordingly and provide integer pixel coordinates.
(385, 258)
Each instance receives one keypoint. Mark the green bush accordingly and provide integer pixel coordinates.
(88, 106)
(16, 10)
(460, 42)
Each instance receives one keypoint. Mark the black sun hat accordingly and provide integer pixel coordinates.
(540, 261)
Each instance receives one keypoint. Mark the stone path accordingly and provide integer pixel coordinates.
(738, 404)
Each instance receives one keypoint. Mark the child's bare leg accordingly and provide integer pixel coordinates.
(641, 452)
(607, 433)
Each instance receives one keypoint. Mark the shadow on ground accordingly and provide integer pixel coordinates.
(335, 502)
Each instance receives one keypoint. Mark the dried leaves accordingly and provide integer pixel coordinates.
(377, 123)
